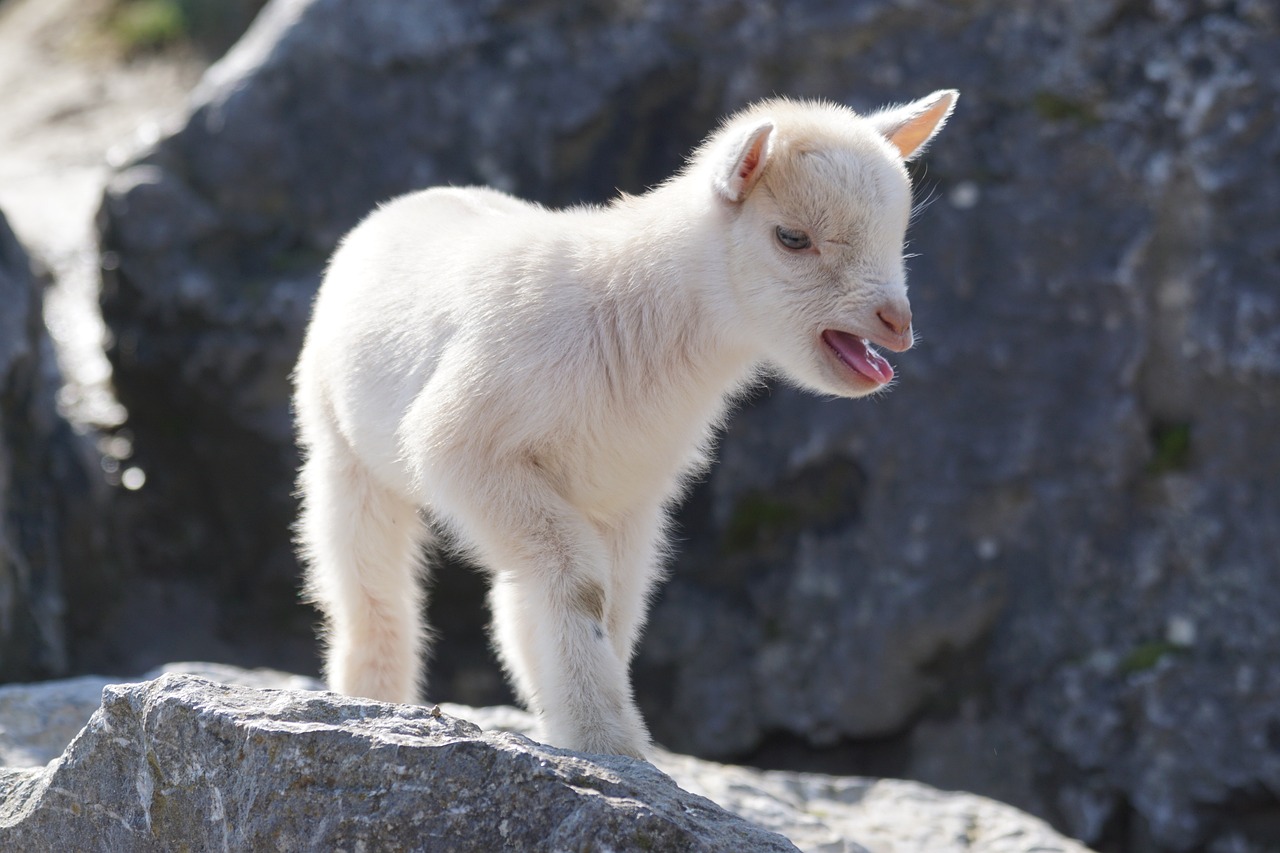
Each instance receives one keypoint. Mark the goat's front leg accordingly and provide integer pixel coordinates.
(552, 580)
(637, 545)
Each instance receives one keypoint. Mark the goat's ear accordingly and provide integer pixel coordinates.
(738, 172)
(911, 126)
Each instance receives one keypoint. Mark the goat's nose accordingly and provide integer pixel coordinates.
(897, 320)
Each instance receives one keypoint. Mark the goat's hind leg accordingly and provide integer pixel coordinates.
(362, 545)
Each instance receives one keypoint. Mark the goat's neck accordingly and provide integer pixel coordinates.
(661, 261)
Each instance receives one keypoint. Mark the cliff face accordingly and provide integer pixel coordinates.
(1043, 567)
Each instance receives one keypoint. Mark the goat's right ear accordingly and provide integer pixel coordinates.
(910, 127)
(738, 172)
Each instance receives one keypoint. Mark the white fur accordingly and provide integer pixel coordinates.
(544, 382)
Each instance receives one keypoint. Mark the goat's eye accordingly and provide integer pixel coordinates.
(795, 240)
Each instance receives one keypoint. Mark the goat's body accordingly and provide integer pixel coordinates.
(563, 341)
(542, 382)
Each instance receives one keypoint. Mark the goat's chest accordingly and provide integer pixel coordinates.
(616, 463)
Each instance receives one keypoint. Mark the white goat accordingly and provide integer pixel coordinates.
(544, 382)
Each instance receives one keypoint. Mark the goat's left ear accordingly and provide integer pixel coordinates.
(911, 126)
(739, 170)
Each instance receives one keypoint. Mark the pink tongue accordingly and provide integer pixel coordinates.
(855, 353)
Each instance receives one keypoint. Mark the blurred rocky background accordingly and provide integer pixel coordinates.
(1044, 568)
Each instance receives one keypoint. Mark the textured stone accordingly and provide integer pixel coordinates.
(1055, 578)
(186, 763)
(152, 770)
(1055, 539)
(832, 814)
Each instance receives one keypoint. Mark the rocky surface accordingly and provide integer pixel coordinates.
(1043, 567)
(837, 814)
(39, 719)
(315, 771)
(52, 536)
(74, 101)
(31, 629)
(71, 104)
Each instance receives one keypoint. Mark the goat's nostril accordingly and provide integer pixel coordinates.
(895, 321)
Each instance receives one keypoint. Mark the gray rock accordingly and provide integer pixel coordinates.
(1050, 569)
(1043, 567)
(186, 763)
(833, 814)
(51, 530)
(32, 638)
(38, 720)
(152, 770)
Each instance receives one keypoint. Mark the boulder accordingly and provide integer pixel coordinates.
(1042, 567)
(51, 520)
(182, 762)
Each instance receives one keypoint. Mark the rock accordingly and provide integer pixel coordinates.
(1044, 565)
(182, 761)
(1041, 568)
(152, 770)
(31, 629)
(38, 720)
(51, 529)
(826, 813)
(67, 98)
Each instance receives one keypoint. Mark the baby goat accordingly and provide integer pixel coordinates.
(544, 382)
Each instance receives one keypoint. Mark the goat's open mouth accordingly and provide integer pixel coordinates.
(856, 354)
